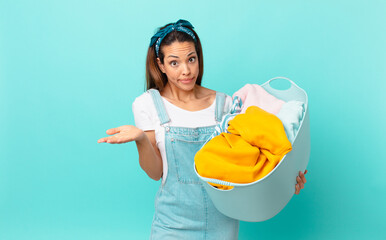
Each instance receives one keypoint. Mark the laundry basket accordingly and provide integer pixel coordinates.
(263, 199)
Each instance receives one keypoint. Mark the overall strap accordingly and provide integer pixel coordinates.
(220, 103)
(159, 106)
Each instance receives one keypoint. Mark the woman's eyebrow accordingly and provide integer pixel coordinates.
(178, 57)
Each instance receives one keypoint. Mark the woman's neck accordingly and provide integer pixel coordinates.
(174, 93)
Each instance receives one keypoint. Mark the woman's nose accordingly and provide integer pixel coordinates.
(185, 69)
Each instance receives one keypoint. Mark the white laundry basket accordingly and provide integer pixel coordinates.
(261, 200)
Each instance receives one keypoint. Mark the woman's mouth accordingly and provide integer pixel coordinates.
(186, 80)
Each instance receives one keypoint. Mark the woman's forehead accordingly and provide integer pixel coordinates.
(179, 49)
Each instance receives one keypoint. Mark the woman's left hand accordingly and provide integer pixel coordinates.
(301, 179)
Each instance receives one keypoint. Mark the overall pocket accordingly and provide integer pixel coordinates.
(183, 152)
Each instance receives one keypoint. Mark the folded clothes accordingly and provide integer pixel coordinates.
(291, 115)
(255, 95)
(255, 144)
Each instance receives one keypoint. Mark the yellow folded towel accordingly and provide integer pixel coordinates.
(255, 145)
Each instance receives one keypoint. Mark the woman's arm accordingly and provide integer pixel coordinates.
(149, 156)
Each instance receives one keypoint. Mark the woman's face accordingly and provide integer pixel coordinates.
(180, 64)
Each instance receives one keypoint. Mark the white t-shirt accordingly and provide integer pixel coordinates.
(146, 118)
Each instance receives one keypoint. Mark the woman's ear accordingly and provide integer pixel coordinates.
(160, 65)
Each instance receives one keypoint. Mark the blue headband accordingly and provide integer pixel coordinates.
(181, 26)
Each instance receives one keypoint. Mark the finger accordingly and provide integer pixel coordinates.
(102, 140)
(300, 182)
(305, 171)
(112, 131)
(111, 139)
(297, 190)
(117, 139)
(302, 177)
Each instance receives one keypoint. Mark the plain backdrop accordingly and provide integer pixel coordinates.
(70, 70)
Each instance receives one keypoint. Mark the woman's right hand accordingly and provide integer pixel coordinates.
(123, 134)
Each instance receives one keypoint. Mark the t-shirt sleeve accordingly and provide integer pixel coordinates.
(143, 116)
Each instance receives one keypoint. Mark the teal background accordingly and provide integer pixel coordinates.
(69, 70)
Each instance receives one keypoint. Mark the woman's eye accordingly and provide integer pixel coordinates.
(173, 63)
(192, 59)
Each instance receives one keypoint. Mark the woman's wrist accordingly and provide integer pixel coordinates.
(141, 138)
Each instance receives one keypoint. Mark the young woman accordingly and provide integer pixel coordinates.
(173, 119)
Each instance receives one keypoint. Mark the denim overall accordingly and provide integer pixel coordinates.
(183, 209)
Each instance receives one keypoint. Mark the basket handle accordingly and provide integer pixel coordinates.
(275, 78)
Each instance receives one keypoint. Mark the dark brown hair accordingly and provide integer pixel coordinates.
(155, 78)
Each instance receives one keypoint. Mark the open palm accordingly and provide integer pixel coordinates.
(123, 134)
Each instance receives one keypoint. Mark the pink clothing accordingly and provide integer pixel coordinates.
(255, 95)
